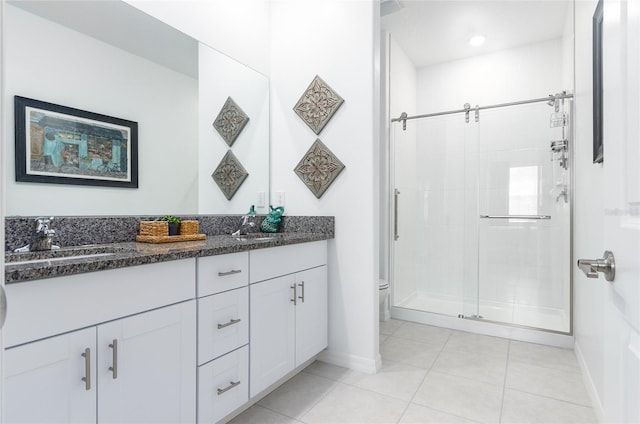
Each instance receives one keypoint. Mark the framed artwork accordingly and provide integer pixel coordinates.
(62, 145)
(598, 132)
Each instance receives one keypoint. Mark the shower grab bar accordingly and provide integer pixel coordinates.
(516, 216)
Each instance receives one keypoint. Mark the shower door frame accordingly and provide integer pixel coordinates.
(468, 323)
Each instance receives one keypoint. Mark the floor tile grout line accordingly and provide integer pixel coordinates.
(504, 382)
(272, 410)
(551, 398)
(333, 387)
(425, 377)
(546, 367)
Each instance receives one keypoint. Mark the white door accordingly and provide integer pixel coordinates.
(621, 67)
(147, 367)
(52, 380)
(311, 313)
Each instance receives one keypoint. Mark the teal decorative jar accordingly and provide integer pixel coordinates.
(272, 222)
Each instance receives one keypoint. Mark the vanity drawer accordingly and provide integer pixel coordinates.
(223, 272)
(223, 323)
(223, 385)
(282, 260)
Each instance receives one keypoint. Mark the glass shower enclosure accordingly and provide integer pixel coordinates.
(481, 214)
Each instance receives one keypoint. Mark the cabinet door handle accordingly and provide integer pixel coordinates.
(231, 385)
(114, 369)
(295, 299)
(87, 369)
(233, 271)
(302, 297)
(233, 321)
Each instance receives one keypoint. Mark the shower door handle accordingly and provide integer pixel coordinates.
(606, 265)
(396, 192)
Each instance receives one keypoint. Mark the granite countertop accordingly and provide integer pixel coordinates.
(90, 258)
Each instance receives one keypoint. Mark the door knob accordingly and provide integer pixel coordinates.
(606, 265)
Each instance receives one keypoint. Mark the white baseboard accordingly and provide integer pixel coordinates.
(588, 383)
(353, 362)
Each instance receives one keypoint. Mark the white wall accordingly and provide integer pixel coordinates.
(525, 72)
(336, 40)
(403, 91)
(48, 62)
(238, 28)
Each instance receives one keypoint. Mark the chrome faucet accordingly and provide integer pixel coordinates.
(247, 224)
(42, 238)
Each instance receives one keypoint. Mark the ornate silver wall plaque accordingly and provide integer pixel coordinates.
(318, 104)
(230, 121)
(318, 168)
(229, 175)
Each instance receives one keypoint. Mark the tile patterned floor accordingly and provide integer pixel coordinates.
(435, 375)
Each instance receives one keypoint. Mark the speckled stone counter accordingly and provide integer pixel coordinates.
(90, 258)
(81, 230)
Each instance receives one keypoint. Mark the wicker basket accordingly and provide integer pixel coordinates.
(154, 228)
(189, 227)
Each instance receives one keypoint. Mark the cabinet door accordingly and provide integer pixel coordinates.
(44, 380)
(272, 331)
(311, 313)
(147, 368)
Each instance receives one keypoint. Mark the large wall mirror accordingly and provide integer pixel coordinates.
(110, 58)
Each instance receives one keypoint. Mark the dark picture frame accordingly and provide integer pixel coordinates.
(63, 145)
(598, 115)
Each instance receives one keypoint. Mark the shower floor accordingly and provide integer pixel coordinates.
(527, 315)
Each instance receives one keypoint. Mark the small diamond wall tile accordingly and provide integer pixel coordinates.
(318, 168)
(318, 104)
(230, 121)
(229, 175)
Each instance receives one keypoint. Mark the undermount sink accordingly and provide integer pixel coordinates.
(31, 261)
(79, 252)
(255, 237)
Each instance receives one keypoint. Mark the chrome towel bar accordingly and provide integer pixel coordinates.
(516, 216)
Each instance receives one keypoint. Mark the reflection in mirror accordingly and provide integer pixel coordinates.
(220, 78)
(111, 58)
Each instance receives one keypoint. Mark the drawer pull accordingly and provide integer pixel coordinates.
(295, 295)
(302, 297)
(87, 369)
(114, 369)
(233, 321)
(233, 271)
(229, 387)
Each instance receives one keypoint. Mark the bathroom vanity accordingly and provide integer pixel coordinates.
(191, 332)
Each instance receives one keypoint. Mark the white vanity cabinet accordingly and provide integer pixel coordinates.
(135, 362)
(223, 335)
(288, 309)
(43, 380)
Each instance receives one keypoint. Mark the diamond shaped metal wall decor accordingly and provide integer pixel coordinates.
(318, 104)
(230, 121)
(318, 168)
(229, 175)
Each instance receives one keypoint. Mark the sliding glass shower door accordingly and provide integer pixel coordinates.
(482, 216)
(435, 254)
(523, 226)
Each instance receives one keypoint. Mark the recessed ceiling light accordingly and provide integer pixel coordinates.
(478, 40)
